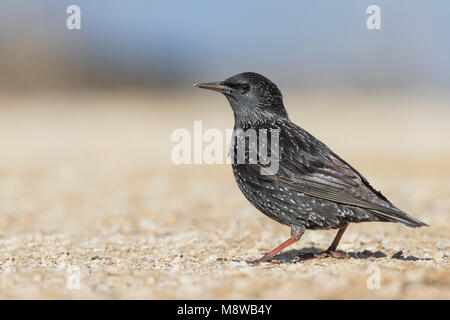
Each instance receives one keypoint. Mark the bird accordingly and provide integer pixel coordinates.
(312, 187)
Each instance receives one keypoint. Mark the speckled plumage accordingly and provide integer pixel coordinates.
(293, 196)
(313, 188)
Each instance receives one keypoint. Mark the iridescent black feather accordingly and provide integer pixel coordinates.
(313, 188)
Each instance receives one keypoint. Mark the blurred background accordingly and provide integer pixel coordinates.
(164, 44)
(86, 118)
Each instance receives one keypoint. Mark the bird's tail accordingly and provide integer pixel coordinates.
(399, 217)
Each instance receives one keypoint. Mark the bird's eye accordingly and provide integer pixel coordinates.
(245, 87)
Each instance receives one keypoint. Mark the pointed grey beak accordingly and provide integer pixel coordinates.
(219, 86)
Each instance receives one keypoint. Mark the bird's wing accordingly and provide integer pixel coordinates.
(331, 181)
(308, 166)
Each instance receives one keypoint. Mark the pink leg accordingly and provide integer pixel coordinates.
(331, 251)
(296, 234)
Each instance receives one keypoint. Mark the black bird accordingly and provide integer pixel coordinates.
(312, 188)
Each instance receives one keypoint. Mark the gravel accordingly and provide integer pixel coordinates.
(91, 206)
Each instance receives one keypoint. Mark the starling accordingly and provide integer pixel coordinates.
(312, 187)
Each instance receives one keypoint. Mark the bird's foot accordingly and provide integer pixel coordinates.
(331, 253)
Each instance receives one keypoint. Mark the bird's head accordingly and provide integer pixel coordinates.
(253, 97)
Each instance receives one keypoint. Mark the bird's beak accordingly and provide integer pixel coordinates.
(219, 86)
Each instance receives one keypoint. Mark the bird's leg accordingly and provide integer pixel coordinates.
(296, 234)
(331, 251)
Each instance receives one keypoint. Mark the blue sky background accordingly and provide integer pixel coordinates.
(312, 43)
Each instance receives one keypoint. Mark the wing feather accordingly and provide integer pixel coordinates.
(317, 171)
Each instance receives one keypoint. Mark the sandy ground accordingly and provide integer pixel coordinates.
(87, 188)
